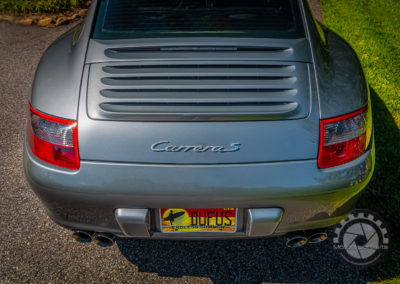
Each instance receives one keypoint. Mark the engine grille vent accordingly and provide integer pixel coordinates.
(198, 91)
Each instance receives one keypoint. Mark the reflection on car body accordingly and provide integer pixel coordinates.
(247, 107)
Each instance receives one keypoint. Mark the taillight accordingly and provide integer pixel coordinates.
(344, 138)
(53, 140)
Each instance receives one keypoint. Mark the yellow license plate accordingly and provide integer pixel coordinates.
(178, 220)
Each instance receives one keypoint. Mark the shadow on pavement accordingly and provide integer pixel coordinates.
(383, 193)
(241, 261)
(268, 260)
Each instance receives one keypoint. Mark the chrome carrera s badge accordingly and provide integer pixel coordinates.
(166, 146)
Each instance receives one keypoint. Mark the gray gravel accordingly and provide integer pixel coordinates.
(33, 249)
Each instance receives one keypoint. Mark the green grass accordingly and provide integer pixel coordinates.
(372, 27)
(39, 6)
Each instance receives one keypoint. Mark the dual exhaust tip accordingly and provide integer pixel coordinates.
(101, 239)
(299, 239)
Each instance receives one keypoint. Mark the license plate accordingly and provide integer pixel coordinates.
(178, 220)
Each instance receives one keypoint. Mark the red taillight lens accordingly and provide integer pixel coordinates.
(344, 138)
(53, 140)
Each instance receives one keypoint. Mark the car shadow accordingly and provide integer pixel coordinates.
(268, 259)
(383, 192)
(241, 261)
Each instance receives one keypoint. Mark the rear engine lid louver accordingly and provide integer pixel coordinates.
(176, 90)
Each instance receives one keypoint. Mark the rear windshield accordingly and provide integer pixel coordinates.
(118, 19)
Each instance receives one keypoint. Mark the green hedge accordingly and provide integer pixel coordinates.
(34, 6)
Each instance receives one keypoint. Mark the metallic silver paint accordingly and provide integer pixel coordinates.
(296, 49)
(133, 222)
(205, 89)
(280, 140)
(341, 84)
(57, 82)
(275, 168)
(86, 199)
(263, 222)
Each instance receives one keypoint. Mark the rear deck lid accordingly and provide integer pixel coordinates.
(236, 87)
(199, 111)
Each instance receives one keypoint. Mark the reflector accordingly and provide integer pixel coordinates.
(53, 140)
(344, 138)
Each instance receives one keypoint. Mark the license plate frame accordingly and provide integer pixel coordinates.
(198, 220)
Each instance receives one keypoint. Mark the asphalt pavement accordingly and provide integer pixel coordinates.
(33, 249)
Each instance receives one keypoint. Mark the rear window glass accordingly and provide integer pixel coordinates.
(118, 19)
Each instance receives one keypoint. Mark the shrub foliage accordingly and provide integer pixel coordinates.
(35, 6)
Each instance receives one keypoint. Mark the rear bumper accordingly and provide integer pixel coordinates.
(309, 197)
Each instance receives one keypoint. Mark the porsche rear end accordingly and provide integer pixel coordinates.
(198, 137)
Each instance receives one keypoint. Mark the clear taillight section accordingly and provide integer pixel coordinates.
(53, 140)
(344, 138)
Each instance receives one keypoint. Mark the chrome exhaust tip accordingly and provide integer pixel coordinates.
(82, 236)
(317, 237)
(104, 239)
(296, 241)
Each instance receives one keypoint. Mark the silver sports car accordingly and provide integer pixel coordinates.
(181, 119)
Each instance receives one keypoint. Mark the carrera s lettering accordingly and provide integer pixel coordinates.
(162, 146)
